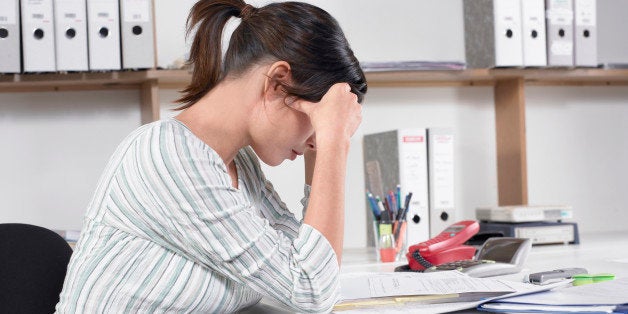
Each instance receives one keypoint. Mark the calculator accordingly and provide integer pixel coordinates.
(498, 256)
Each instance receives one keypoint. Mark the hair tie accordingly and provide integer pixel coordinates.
(246, 11)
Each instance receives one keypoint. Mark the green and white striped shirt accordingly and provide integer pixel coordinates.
(167, 232)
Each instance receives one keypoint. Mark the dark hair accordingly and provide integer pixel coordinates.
(305, 36)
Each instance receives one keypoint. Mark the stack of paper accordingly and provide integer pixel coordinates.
(430, 292)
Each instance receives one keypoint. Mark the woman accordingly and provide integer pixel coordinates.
(183, 219)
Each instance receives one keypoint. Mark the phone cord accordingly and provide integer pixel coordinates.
(417, 256)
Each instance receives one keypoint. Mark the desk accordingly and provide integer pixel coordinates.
(598, 253)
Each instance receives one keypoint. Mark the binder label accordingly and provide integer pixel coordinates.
(37, 11)
(7, 12)
(136, 11)
(70, 11)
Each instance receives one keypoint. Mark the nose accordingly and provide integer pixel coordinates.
(311, 142)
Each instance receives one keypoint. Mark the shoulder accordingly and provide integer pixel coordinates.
(169, 139)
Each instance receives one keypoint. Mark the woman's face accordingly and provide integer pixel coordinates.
(281, 133)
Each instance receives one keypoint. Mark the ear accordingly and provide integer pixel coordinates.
(278, 72)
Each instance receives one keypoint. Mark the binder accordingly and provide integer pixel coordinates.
(71, 35)
(103, 29)
(533, 33)
(10, 59)
(138, 43)
(401, 156)
(559, 14)
(440, 160)
(493, 33)
(38, 40)
(585, 34)
(612, 43)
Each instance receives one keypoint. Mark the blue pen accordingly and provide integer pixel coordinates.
(373, 205)
(398, 197)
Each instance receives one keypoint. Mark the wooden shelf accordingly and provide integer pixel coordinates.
(508, 84)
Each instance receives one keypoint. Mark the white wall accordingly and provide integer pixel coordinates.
(55, 144)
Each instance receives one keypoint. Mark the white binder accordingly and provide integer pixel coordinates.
(38, 40)
(10, 59)
(533, 33)
(402, 158)
(71, 35)
(103, 28)
(493, 33)
(585, 33)
(138, 43)
(440, 160)
(559, 14)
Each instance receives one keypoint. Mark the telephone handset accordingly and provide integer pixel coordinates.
(445, 247)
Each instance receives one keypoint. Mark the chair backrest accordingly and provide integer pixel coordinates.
(33, 263)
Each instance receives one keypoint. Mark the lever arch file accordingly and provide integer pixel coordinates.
(71, 35)
(493, 33)
(559, 32)
(10, 59)
(38, 40)
(402, 158)
(138, 43)
(103, 27)
(585, 33)
(440, 160)
(533, 33)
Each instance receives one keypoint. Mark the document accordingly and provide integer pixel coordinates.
(376, 285)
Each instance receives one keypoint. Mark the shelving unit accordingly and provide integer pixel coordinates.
(509, 90)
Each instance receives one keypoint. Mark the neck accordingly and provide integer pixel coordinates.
(221, 117)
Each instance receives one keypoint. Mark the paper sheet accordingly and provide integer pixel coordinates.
(374, 285)
(612, 292)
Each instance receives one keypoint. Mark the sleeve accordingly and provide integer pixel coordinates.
(197, 213)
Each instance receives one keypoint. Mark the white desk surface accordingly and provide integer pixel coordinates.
(598, 253)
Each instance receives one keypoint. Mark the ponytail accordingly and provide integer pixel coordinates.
(209, 19)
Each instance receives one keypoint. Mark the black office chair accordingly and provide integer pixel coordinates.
(33, 263)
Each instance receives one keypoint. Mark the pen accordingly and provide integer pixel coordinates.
(392, 202)
(398, 197)
(373, 206)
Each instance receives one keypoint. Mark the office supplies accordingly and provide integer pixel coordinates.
(498, 256)
(584, 278)
(445, 247)
(585, 33)
(440, 159)
(71, 35)
(10, 59)
(38, 39)
(493, 33)
(103, 27)
(399, 157)
(138, 43)
(533, 33)
(539, 232)
(608, 295)
(524, 213)
(547, 277)
(560, 41)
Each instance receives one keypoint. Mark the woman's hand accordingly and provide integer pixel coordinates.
(336, 117)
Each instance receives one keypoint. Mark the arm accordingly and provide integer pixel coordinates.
(334, 119)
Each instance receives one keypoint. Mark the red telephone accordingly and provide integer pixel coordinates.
(445, 247)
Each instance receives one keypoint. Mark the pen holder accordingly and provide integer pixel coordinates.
(390, 241)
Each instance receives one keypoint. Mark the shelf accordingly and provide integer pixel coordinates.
(508, 84)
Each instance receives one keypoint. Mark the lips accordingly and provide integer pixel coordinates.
(295, 154)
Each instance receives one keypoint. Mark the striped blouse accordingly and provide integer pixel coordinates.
(167, 233)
